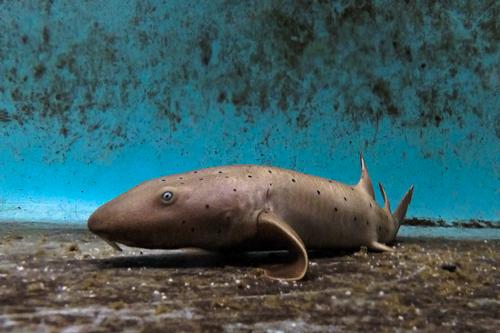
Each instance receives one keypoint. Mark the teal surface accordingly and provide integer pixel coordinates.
(484, 234)
(96, 96)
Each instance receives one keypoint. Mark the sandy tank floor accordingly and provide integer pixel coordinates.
(57, 278)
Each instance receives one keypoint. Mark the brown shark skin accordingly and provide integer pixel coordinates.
(251, 207)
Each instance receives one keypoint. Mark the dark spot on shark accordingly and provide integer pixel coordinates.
(379, 228)
(345, 199)
(234, 190)
(195, 171)
(269, 171)
(293, 180)
(181, 178)
(371, 205)
(336, 209)
(355, 218)
(183, 222)
(220, 172)
(352, 188)
(318, 191)
(367, 223)
(163, 180)
(201, 178)
(270, 184)
(207, 206)
(249, 176)
(192, 229)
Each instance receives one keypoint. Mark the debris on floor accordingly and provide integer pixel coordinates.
(60, 277)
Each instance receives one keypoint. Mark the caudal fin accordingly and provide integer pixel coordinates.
(400, 212)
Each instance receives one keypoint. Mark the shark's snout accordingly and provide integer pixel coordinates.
(96, 223)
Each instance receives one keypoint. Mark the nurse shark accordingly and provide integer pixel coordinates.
(251, 208)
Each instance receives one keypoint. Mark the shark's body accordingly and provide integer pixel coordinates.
(251, 207)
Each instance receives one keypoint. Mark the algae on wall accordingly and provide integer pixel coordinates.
(94, 92)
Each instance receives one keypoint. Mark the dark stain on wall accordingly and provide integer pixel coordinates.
(205, 48)
(382, 90)
(302, 120)
(497, 125)
(38, 71)
(291, 32)
(169, 110)
(272, 57)
(301, 61)
(46, 36)
(4, 116)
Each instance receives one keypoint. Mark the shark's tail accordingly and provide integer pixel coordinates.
(400, 212)
(365, 184)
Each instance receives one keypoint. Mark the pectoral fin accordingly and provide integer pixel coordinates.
(272, 229)
(376, 246)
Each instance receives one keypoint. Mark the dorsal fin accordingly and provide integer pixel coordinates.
(387, 205)
(365, 183)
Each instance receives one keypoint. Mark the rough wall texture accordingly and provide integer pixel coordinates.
(96, 96)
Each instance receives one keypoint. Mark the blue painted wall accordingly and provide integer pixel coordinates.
(96, 96)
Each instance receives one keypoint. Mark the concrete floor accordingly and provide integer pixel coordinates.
(57, 278)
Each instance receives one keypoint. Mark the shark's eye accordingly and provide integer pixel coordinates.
(167, 196)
